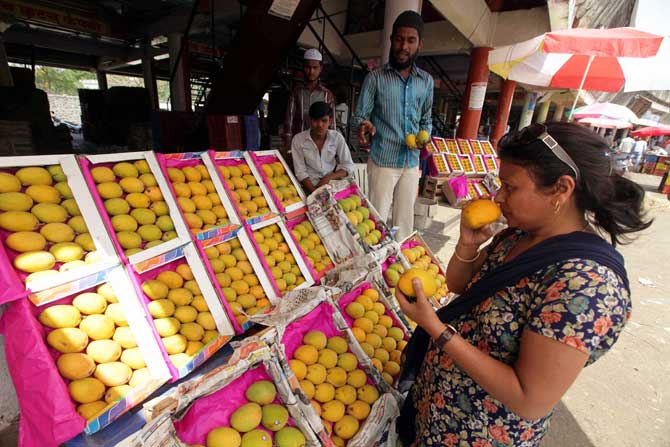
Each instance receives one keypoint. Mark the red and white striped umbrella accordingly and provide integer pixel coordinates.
(606, 110)
(652, 131)
(590, 59)
(606, 123)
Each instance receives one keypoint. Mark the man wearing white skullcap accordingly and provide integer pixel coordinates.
(303, 96)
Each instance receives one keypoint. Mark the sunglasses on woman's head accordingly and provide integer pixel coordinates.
(538, 132)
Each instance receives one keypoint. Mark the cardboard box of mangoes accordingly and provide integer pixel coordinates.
(328, 371)
(283, 186)
(81, 362)
(187, 318)
(246, 401)
(53, 241)
(238, 276)
(136, 204)
(244, 185)
(200, 194)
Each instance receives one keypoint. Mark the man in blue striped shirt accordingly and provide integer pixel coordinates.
(396, 100)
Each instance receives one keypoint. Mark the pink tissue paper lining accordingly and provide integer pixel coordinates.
(213, 411)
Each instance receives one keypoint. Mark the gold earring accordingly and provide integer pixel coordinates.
(557, 207)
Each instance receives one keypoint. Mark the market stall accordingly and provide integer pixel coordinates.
(156, 291)
(461, 170)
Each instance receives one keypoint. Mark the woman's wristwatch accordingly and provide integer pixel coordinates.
(445, 336)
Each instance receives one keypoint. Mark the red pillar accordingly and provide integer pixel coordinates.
(473, 100)
(502, 112)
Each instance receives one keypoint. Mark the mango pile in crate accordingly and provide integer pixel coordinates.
(261, 422)
(139, 215)
(359, 216)
(43, 222)
(429, 271)
(98, 352)
(244, 190)
(382, 339)
(277, 254)
(197, 197)
(180, 313)
(311, 245)
(236, 279)
(331, 378)
(280, 183)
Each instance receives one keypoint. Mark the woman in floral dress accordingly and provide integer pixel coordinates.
(492, 377)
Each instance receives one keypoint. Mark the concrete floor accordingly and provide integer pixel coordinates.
(623, 400)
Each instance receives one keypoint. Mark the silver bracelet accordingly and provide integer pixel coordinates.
(467, 261)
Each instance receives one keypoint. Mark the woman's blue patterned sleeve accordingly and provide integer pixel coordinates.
(581, 304)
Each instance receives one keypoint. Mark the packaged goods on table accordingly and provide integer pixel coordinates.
(253, 407)
(364, 218)
(440, 144)
(464, 147)
(347, 407)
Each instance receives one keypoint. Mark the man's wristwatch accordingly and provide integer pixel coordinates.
(445, 336)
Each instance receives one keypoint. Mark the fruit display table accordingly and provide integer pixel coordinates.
(130, 276)
(473, 159)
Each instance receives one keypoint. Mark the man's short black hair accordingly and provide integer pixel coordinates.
(409, 19)
(320, 109)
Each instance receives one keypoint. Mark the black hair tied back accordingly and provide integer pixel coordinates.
(613, 201)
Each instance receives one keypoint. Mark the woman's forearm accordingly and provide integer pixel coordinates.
(496, 378)
(459, 273)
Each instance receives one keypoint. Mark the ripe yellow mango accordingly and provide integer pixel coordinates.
(427, 281)
(113, 373)
(90, 303)
(98, 327)
(58, 232)
(86, 390)
(43, 194)
(15, 201)
(34, 176)
(75, 366)
(67, 340)
(49, 212)
(18, 221)
(59, 316)
(480, 213)
(9, 183)
(104, 351)
(24, 241)
(34, 261)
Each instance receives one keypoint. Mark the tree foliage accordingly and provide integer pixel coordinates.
(60, 81)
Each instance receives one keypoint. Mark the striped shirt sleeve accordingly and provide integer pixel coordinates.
(426, 121)
(366, 99)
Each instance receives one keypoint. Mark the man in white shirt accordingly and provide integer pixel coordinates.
(320, 154)
(638, 152)
(626, 145)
